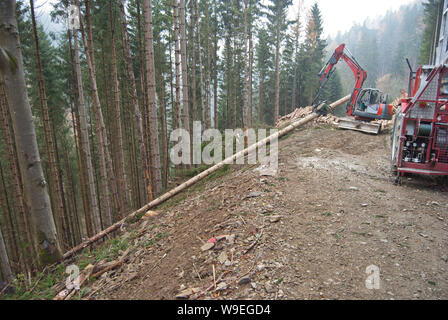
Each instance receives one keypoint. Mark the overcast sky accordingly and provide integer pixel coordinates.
(338, 15)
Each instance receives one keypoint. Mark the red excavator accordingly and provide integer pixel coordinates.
(365, 105)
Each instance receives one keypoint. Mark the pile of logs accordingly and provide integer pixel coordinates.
(301, 113)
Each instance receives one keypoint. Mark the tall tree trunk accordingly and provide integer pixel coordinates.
(137, 113)
(144, 96)
(121, 176)
(162, 105)
(183, 50)
(103, 143)
(58, 206)
(250, 94)
(215, 76)
(229, 67)
(261, 97)
(178, 120)
(25, 136)
(154, 151)
(72, 198)
(235, 81)
(277, 68)
(296, 52)
(5, 267)
(246, 70)
(25, 238)
(201, 75)
(95, 215)
(11, 239)
(192, 49)
(79, 140)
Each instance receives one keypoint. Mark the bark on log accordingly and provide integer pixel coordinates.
(199, 177)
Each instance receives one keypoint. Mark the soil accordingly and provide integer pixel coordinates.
(308, 233)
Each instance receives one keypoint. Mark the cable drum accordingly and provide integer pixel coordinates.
(442, 138)
(424, 130)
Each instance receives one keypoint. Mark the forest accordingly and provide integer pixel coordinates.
(86, 114)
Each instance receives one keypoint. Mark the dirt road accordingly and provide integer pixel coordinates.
(308, 233)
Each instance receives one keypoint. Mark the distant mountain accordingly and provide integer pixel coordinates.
(381, 46)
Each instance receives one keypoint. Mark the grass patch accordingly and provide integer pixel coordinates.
(278, 281)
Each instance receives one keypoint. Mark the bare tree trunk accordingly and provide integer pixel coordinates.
(137, 113)
(178, 120)
(208, 95)
(277, 67)
(192, 49)
(5, 267)
(154, 153)
(25, 238)
(201, 76)
(246, 70)
(11, 239)
(72, 198)
(183, 50)
(103, 143)
(250, 94)
(25, 136)
(296, 49)
(58, 208)
(215, 82)
(95, 215)
(162, 105)
(229, 64)
(121, 176)
(144, 96)
(261, 98)
(77, 132)
(235, 78)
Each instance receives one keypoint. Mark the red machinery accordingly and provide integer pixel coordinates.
(420, 132)
(365, 105)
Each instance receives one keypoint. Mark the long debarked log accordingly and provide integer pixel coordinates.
(199, 177)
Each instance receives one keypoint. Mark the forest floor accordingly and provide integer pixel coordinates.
(308, 233)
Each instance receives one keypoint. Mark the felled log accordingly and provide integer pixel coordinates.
(200, 177)
(113, 265)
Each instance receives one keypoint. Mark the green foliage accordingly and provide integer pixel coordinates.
(381, 47)
(432, 15)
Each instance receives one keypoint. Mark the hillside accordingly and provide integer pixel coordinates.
(308, 233)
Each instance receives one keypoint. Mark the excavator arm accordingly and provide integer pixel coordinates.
(359, 73)
(365, 105)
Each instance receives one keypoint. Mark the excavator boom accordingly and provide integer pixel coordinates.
(365, 105)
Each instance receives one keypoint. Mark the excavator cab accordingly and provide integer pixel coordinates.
(371, 105)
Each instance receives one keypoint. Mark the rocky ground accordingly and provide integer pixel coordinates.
(308, 233)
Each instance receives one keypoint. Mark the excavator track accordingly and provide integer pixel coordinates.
(351, 124)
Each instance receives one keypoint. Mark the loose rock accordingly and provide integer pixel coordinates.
(207, 246)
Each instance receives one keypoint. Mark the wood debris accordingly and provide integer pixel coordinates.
(330, 119)
(301, 113)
